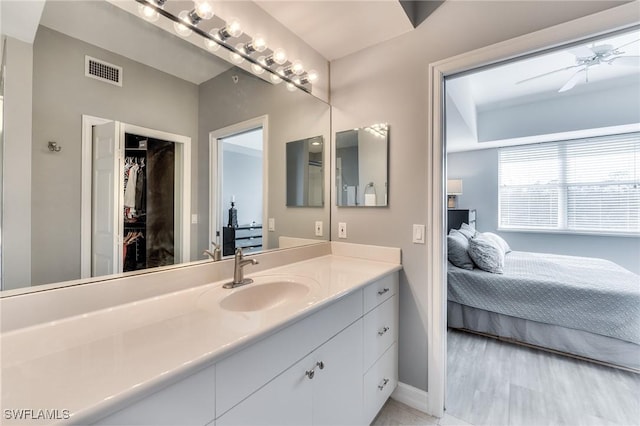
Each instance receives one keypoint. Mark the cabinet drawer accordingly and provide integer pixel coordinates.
(380, 330)
(243, 372)
(379, 382)
(379, 291)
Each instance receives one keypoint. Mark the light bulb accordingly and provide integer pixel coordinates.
(259, 43)
(279, 56)
(148, 13)
(204, 9)
(210, 44)
(291, 87)
(280, 71)
(296, 67)
(235, 57)
(257, 69)
(234, 28)
(181, 28)
(275, 79)
(312, 75)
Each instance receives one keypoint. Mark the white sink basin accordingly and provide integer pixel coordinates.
(266, 292)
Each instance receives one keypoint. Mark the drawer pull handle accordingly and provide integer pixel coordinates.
(311, 373)
(384, 383)
(383, 291)
(384, 330)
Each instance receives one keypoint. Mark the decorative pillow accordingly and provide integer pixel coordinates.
(467, 231)
(498, 240)
(486, 254)
(457, 245)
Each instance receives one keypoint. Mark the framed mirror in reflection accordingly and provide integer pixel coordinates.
(136, 184)
(362, 166)
(305, 171)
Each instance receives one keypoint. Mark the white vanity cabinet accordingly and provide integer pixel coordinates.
(324, 388)
(335, 367)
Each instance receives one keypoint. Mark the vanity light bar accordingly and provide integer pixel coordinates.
(302, 82)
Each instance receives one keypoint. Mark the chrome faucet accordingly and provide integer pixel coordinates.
(238, 272)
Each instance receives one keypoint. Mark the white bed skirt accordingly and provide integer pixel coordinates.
(577, 342)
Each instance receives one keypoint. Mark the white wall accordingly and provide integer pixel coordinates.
(388, 83)
(479, 172)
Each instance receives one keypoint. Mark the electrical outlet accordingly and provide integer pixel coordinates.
(342, 230)
(318, 228)
(418, 234)
(272, 224)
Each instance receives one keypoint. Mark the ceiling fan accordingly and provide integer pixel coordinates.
(587, 57)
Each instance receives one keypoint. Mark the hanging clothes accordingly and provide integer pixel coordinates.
(130, 188)
(140, 197)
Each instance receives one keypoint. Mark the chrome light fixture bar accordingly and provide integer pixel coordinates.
(294, 75)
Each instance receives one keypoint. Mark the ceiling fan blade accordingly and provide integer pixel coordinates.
(626, 44)
(630, 61)
(547, 73)
(570, 84)
(582, 52)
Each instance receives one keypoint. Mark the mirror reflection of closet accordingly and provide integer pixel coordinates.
(362, 166)
(305, 183)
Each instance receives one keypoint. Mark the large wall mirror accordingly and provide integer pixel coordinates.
(362, 166)
(143, 170)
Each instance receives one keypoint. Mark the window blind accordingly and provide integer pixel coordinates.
(585, 185)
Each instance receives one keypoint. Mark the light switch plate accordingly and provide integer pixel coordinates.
(342, 230)
(318, 228)
(194, 218)
(418, 234)
(272, 224)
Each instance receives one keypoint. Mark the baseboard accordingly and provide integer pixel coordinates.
(413, 397)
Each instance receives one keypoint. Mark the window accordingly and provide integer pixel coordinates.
(586, 185)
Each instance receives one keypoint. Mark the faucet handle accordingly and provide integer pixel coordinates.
(239, 252)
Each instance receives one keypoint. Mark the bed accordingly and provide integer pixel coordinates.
(582, 306)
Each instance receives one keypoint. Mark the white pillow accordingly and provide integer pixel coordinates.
(498, 240)
(467, 231)
(486, 254)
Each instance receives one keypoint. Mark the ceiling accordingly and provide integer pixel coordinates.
(610, 92)
(338, 28)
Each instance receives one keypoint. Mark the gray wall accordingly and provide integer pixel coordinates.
(61, 95)
(16, 202)
(388, 83)
(292, 116)
(479, 172)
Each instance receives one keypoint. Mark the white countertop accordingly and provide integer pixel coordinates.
(90, 364)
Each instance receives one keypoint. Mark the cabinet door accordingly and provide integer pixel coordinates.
(337, 386)
(286, 400)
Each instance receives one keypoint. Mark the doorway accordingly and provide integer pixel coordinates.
(435, 304)
(238, 187)
(132, 222)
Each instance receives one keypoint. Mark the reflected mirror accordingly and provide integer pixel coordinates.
(361, 166)
(305, 173)
(137, 177)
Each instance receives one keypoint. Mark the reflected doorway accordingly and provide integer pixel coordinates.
(238, 187)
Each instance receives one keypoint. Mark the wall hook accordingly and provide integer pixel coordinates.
(53, 147)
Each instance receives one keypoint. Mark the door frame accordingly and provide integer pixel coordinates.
(618, 18)
(182, 189)
(215, 184)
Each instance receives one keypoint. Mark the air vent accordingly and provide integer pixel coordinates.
(103, 71)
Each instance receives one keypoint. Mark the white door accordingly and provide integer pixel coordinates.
(106, 250)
